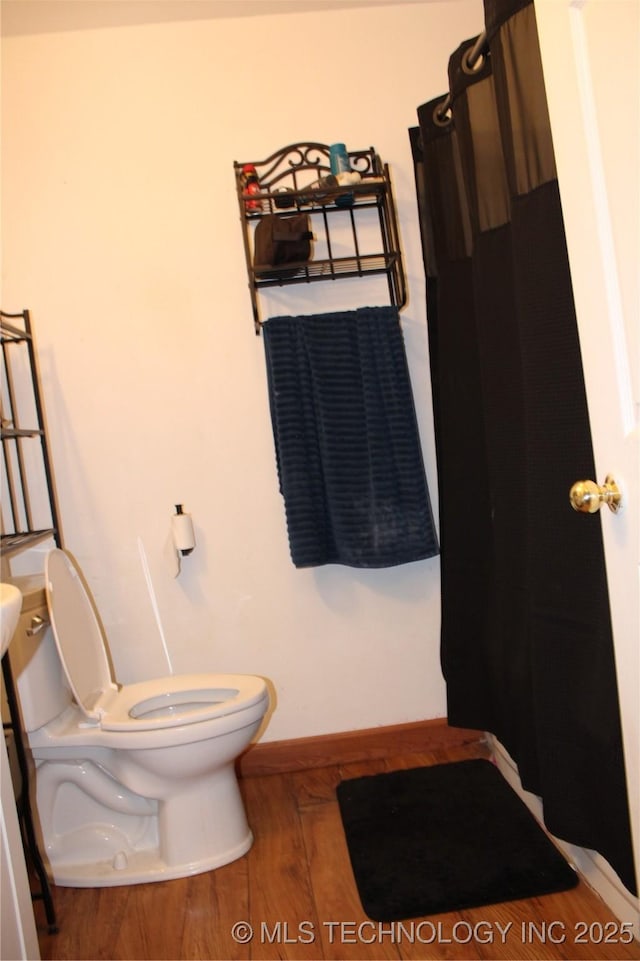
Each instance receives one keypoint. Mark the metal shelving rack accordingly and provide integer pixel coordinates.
(26, 474)
(292, 170)
(26, 464)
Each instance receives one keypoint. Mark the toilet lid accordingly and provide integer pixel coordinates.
(77, 633)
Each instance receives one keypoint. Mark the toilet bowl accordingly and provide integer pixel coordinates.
(133, 783)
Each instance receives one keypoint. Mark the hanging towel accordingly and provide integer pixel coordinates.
(348, 452)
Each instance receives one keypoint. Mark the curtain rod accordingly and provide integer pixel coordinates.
(469, 61)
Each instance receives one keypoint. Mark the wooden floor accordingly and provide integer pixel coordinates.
(293, 896)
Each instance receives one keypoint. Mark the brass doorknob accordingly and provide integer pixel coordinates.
(588, 497)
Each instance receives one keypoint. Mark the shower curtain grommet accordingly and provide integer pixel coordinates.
(442, 117)
(472, 63)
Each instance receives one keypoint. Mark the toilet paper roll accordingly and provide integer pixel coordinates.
(184, 537)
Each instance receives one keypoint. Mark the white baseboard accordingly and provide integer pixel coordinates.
(597, 872)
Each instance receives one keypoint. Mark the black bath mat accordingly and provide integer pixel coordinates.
(436, 839)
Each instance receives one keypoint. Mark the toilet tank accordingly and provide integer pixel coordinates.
(41, 684)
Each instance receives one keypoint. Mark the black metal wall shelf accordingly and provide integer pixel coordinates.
(285, 178)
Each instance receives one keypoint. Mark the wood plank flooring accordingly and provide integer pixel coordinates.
(293, 896)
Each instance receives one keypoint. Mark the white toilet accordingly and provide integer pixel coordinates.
(134, 783)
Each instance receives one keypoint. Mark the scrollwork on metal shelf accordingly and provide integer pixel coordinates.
(289, 180)
(290, 162)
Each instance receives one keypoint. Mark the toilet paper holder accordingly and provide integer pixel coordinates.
(180, 541)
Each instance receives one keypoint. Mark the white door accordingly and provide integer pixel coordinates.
(591, 60)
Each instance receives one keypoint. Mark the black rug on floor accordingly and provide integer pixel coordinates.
(435, 839)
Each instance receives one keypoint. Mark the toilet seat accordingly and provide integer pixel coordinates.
(178, 700)
(149, 705)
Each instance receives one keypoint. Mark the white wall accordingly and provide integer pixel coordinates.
(121, 235)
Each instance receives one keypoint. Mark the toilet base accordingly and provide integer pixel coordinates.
(140, 867)
(98, 833)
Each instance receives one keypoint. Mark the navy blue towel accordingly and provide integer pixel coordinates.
(347, 447)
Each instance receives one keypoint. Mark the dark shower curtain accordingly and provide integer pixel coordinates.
(527, 650)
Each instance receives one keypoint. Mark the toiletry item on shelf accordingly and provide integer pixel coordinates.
(324, 191)
(284, 198)
(339, 162)
(282, 245)
(250, 187)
